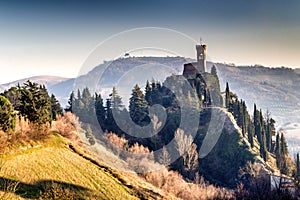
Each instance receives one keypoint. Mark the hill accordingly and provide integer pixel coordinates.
(275, 89)
(59, 168)
(230, 151)
(43, 80)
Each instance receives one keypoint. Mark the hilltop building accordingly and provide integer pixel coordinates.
(192, 69)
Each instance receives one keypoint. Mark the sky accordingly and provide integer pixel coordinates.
(56, 37)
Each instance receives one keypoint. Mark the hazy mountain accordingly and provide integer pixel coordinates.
(276, 89)
(48, 81)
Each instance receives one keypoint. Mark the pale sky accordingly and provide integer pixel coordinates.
(55, 37)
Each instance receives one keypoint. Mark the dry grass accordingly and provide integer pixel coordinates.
(7, 187)
(49, 169)
(54, 161)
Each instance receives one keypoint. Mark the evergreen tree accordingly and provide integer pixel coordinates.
(79, 95)
(109, 118)
(263, 146)
(213, 70)
(227, 96)
(86, 107)
(257, 124)
(297, 171)
(245, 115)
(7, 115)
(86, 98)
(55, 107)
(283, 145)
(138, 107)
(89, 135)
(277, 151)
(255, 116)
(270, 130)
(71, 102)
(35, 103)
(155, 94)
(250, 135)
(148, 93)
(116, 100)
(13, 94)
(100, 109)
(283, 152)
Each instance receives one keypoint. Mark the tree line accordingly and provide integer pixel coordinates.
(31, 101)
(259, 127)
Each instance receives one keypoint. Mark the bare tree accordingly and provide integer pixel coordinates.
(156, 123)
(190, 158)
(164, 158)
(183, 141)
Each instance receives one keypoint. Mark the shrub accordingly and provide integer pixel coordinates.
(119, 142)
(172, 182)
(68, 126)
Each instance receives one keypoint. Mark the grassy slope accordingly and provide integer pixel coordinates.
(55, 162)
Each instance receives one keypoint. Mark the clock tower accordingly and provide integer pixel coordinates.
(201, 56)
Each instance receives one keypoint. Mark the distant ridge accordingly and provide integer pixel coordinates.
(46, 80)
(276, 89)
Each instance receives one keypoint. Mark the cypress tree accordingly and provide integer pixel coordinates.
(283, 145)
(250, 135)
(227, 96)
(284, 152)
(297, 173)
(254, 116)
(277, 151)
(244, 116)
(263, 146)
(272, 132)
(257, 124)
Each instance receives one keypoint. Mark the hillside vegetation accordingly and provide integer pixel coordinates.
(222, 147)
(53, 169)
